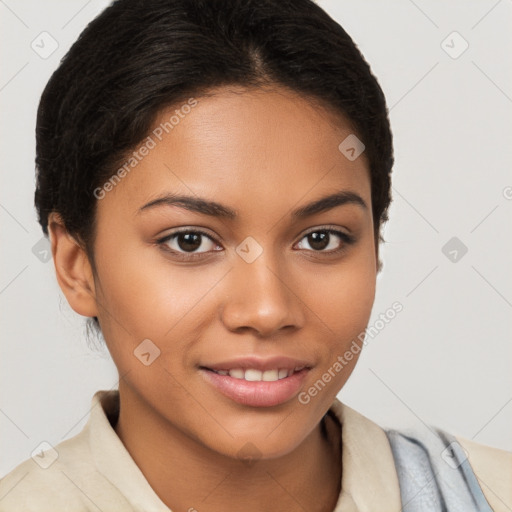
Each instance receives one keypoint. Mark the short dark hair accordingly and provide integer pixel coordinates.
(141, 56)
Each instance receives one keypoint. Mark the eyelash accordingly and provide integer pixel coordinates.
(162, 242)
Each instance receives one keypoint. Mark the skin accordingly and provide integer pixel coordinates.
(262, 153)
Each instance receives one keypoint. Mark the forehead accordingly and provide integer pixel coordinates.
(252, 148)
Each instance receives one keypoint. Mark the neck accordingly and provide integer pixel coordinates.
(168, 457)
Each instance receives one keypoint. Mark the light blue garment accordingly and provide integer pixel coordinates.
(434, 473)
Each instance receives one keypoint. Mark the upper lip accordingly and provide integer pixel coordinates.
(258, 363)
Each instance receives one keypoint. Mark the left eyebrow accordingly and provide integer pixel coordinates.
(328, 202)
(214, 209)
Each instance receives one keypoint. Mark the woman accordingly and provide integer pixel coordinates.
(213, 177)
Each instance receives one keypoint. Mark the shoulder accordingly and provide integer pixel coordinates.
(63, 477)
(30, 487)
(493, 470)
(491, 467)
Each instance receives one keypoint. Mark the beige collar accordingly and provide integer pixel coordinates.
(369, 480)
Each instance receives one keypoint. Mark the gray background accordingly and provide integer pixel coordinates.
(444, 360)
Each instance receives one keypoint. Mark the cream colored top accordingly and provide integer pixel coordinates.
(94, 471)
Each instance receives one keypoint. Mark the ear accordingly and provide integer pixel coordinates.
(72, 267)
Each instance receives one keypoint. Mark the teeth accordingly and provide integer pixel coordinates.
(237, 373)
(253, 375)
(270, 375)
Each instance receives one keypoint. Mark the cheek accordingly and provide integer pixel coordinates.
(344, 311)
(145, 296)
(343, 302)
(143, 291)
(350, 304)
(345, 297)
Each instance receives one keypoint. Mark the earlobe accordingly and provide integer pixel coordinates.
(72, 268)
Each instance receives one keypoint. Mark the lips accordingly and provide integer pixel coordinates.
(257, 382)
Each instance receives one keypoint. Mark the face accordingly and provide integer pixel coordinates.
(255, 286)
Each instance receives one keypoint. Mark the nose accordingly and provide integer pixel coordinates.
(261, 298)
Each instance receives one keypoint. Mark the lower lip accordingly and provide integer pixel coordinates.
(259, 393)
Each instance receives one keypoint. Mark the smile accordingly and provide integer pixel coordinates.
(256, 383)
(255, 375)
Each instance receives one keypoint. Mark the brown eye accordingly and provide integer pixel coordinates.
(190, 241)
(319, 240)
(330, 239)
